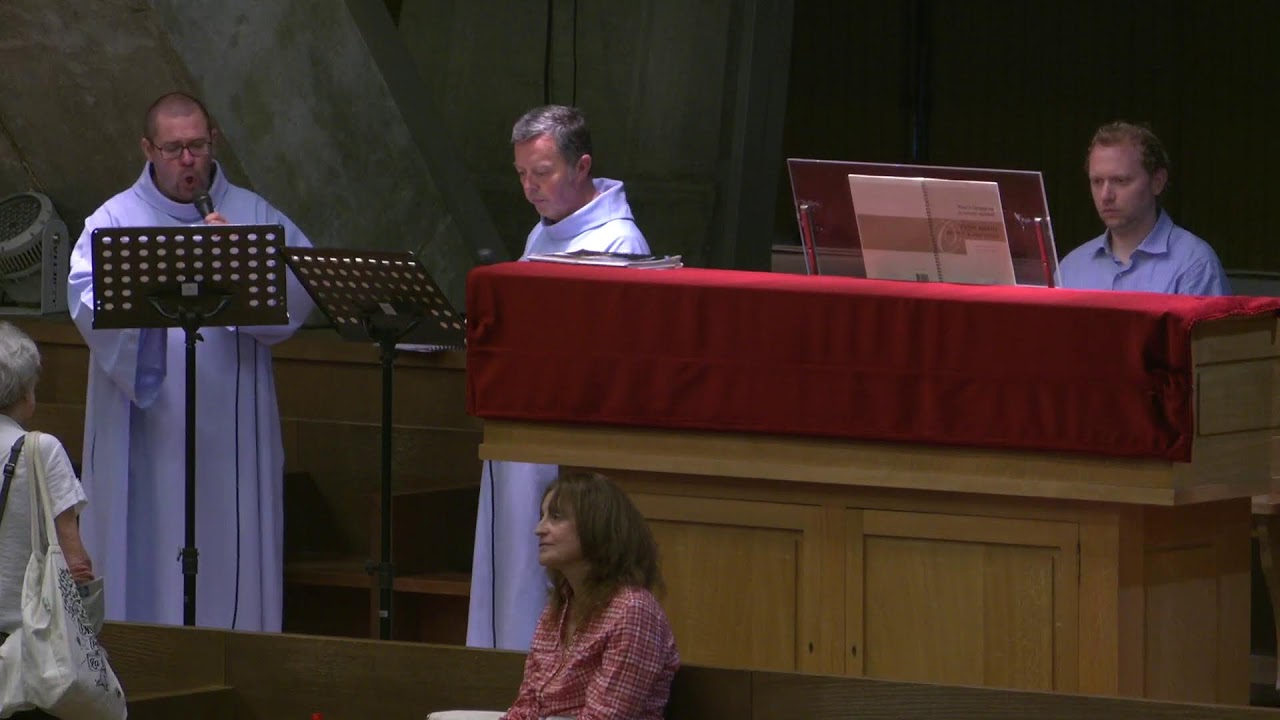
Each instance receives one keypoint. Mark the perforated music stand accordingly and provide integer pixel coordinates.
(387, 297)
(184, 277)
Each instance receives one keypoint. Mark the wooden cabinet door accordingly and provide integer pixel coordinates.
(741, 578)
(962, 600)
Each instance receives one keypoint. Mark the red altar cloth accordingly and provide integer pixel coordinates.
(931, 363)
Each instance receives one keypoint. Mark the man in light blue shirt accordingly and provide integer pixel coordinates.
(1142, 249)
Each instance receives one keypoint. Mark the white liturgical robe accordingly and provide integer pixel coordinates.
(134, 463)
(508, 586)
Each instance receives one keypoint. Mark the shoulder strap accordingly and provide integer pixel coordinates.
(9, 466)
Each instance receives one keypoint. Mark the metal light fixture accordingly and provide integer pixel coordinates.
(34, 256)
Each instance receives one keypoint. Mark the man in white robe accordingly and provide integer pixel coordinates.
(134, 464)
(553, 159)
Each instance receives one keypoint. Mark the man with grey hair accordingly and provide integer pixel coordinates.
(577, 212)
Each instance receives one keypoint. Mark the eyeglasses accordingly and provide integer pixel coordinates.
(173, 150)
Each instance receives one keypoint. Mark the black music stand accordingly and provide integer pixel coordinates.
(387, 297)
(184, 277)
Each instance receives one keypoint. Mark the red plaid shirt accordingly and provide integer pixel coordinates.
(619, 666)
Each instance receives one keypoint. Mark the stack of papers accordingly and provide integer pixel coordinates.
(590, 257)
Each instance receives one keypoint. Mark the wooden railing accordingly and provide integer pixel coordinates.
(193, 673)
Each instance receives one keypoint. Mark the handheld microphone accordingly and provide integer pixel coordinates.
(203, 203)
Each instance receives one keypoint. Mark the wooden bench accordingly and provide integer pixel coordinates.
(196, 673)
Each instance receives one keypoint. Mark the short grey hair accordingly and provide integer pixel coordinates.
(566, 125)
(19, 365)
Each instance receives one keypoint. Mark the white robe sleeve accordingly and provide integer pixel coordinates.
(135, 360)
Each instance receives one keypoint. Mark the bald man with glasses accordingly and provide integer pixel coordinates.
(134, 443)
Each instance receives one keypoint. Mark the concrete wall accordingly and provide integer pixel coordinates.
(313, 114)
(373, 134)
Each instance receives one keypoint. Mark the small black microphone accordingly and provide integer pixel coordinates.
(204, 203)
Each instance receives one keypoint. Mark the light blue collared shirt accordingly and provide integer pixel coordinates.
(1169, 260)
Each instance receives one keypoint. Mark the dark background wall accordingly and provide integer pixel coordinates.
(1023, 85)
(986, 83)
(389, 119)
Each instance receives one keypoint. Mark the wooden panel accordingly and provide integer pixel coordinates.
(712, 551)
(923, 610)
(834, 655)
(191, 657)
(1235, 339)
(422, 458)
(1233, 465)
(839, 462)
(430, 618)
(1182, 593)
(64, 373)
(217, 703)
(312, 344)
(1232, 538)
(289, 443)
(286, 676)
(781, 696)
(969, 528)
(423, 397)
(430, 531)
(1267, 530)
(328, 610)
(701, 692)
(1237, 396)
(62, 420)
(1196, 583)
(309, 522)
(344, 462)
(1010, 613)
(280, 677)
(334, 597)
(50, 330)
(867, 498)
(854, 648)
(1019, 618)
(1110, 611)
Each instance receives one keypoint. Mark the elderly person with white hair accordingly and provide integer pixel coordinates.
(19, 371)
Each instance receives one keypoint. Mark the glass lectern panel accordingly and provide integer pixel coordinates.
(829, 228)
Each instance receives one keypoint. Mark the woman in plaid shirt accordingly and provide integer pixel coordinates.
(603, 647)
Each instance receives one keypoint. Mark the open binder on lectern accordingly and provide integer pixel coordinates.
(831, 227)
(931, 229)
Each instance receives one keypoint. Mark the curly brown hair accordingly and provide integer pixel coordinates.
(1139, 135)
(616, 542)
